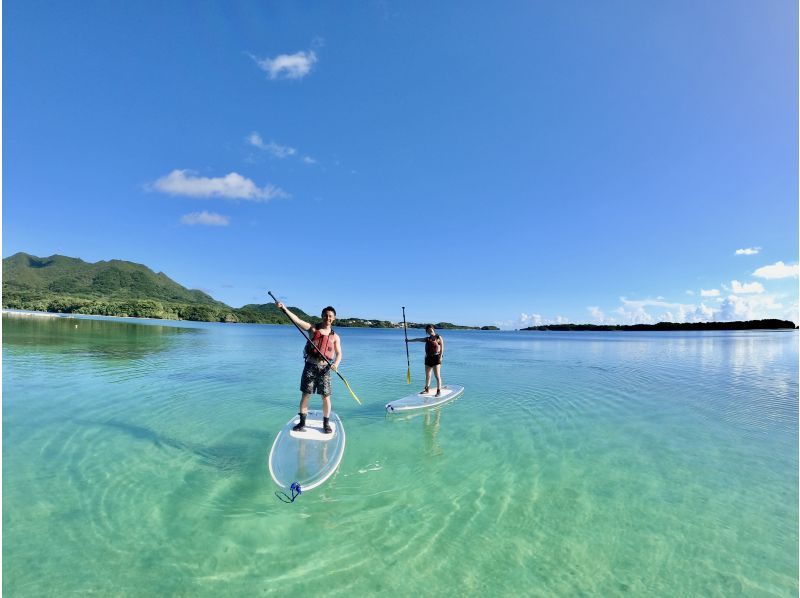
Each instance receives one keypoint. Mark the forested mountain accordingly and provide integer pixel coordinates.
(113, 280)
(115, 288)
(118, 288)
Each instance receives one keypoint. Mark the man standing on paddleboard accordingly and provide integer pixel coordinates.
(434, 352)
(319, 353)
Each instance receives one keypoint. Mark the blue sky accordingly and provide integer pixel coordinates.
(508, 164)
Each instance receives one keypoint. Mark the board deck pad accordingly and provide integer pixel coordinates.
(313, 430)
(428, 399)
(310, 457)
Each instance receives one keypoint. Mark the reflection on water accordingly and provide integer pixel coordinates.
(87, 336)
(432, 422)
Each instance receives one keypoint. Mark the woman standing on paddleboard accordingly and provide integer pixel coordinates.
(434, 352)
(316, 378)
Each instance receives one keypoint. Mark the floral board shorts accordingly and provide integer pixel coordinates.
(316, 378)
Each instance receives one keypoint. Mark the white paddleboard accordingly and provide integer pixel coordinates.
(423, 400)
(309, 457)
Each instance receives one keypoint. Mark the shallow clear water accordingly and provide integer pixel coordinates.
(134, 463)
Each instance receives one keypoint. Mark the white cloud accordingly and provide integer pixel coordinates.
(741, 289)
(688, 292)
(231, 186)
(748, 251)
(288, 66)
(635, 315)
(275, 149)
(255, 139)
(747, 301)
(596, 313)
(735, 307)
(530, 320)
(635, 312)
(709, 293)
(649, 303)
(205, 219)
(701, 314)
(777, 270)
(309, 160)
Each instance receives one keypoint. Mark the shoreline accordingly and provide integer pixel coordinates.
(692, 327)
(24, 313)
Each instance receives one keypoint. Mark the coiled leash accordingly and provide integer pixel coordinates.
(296, 491)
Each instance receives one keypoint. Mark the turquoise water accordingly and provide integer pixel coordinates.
(134, 464)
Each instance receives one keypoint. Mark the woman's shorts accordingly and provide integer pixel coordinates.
(433, 360)
(316, 378)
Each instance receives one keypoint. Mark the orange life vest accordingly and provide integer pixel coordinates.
(321, 344)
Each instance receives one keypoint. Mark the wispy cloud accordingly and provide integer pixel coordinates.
(777, 270)
(637, 303)
(204, 219)
(748, 251)
(709, 293)
(230, 186)
(288, 66)
(747, 288)
(275, 149)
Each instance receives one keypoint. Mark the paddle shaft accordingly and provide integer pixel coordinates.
(408, 359)
(330, 363)
(303, 332)
(405, 332)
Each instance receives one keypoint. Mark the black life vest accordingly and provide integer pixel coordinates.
(432, 346)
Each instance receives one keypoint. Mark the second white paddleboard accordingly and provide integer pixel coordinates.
(427, 399)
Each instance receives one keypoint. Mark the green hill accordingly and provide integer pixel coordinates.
(112, 280)
(65, 284)
(118, 288)
(268, 313)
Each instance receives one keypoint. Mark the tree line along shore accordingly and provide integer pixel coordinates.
(768, 324)
(62, 284)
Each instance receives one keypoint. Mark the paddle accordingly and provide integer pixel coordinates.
(408, 359)
(325, 358)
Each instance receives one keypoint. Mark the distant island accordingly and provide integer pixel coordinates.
(61, 284)
(769, 324)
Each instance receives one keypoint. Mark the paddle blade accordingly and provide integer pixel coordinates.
(408, 376)
(350, 389)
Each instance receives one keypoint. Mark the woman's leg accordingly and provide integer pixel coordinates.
(427, 377)
(437, 370)
(304, 402)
